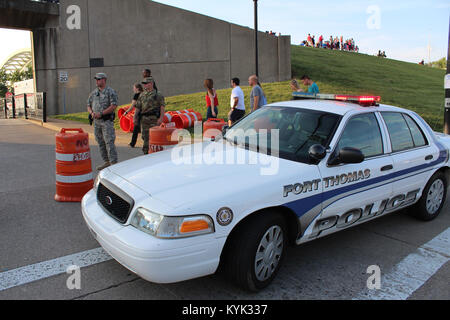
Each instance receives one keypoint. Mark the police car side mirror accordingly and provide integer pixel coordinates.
(317, 152)
(346, 155)
(225, 129)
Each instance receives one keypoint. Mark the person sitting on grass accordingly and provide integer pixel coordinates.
(295, 87)
(312, 86)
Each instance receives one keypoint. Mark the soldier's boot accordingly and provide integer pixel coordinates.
(103, 166)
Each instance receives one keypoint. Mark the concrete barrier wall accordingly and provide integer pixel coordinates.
(181, 48)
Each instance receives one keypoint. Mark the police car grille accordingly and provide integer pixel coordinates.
(114, 205)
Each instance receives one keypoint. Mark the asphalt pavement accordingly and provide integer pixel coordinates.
(35, 229)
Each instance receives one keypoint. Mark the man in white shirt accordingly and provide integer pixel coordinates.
(237, 102)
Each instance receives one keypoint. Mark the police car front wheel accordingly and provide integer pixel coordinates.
(255, 252)
(433, 198)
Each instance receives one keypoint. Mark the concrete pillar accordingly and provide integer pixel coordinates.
(45, 44)
(284, 58)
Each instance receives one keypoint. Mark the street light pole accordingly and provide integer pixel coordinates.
(447, 89)
(256, 38)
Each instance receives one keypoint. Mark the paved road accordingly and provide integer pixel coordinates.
(37, 229)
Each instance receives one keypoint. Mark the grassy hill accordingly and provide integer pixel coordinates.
(408, 85)
(402, 84)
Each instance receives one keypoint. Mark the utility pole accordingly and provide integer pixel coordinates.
(256, 38)
(447, 89)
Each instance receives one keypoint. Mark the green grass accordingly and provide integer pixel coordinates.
(411, 86)
(274, 92)
(407, 85)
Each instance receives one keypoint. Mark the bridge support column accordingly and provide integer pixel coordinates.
(45, 44)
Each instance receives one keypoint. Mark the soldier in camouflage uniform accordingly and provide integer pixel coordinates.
(102, 103)
(151, 105)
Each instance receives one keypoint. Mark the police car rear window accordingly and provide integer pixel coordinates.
(403, 131)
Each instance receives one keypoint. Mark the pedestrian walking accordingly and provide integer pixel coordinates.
(101, 105)
(257, 96)
(151, 105)
(237, 102)
(138, 89)
(212, 101)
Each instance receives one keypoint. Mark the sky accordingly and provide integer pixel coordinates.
(403, 29)
(13, 40)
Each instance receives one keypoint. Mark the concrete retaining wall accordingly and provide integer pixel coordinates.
(181, 48)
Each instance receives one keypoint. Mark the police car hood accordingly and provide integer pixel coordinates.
(198, 177)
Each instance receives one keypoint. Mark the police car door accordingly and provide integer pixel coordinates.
(354, 192)
(413, 155)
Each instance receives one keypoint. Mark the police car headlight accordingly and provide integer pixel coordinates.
(166, 227)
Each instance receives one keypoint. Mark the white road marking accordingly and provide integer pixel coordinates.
(406, 277)
(50, 268)
(413, 271)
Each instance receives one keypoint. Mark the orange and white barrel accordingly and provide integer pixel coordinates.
(162, 137)
(187, 120)
(212, 128)
(126, 122)
(74, 177)
(168, 117)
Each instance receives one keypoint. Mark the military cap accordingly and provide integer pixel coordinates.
(148, 80)
(100, 75)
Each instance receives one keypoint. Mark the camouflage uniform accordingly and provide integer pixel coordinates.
(105, 135)
(149, 102)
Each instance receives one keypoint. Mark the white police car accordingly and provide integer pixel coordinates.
(335, 161)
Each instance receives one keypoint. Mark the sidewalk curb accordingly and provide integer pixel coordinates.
(122, 138)
(57, 128)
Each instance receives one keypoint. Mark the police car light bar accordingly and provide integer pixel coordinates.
(362, 100)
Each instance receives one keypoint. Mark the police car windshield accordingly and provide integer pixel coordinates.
(284, 132)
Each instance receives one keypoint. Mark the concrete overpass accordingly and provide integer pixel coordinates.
(28, 14)
(79, 38)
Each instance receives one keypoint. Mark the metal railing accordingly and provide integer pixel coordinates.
(27, 106)
(3, 108)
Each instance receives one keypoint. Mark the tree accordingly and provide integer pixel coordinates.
(7, 80)
(3, 83)
(441, 64)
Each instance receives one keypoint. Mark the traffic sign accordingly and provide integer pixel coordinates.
(63, 76)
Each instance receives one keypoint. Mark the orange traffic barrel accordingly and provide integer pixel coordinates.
(180, 111)
(213, 128)
(168, 116)
(126, 122)
(162, 136)
(121, 112)
(74, 176)
(186, 120)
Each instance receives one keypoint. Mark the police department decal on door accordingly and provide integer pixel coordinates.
(362, 214)
(342, 179)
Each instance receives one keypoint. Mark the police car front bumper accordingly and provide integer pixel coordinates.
(155, 260)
